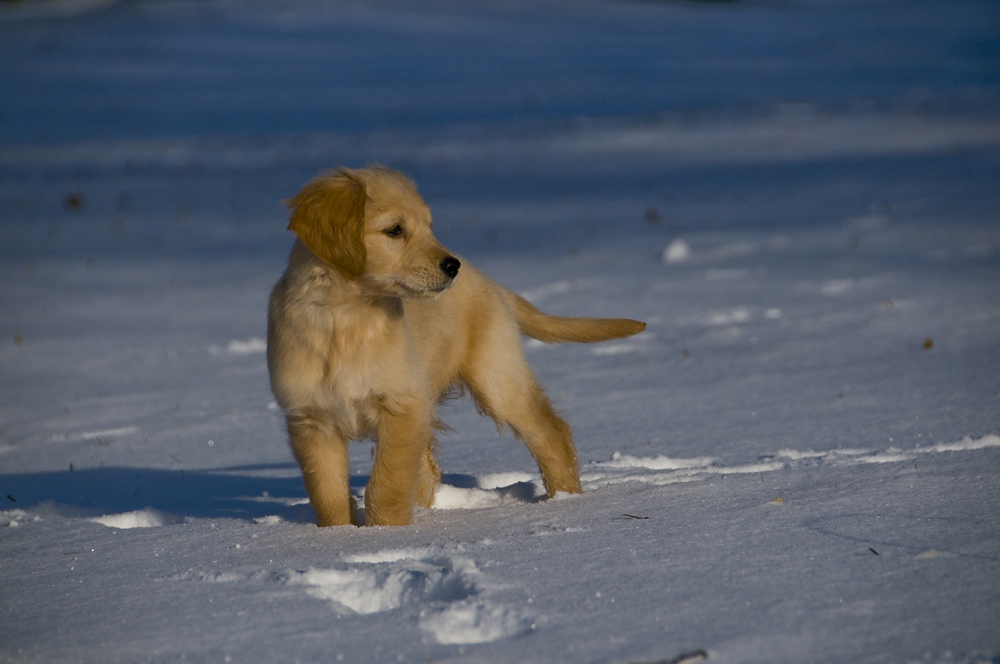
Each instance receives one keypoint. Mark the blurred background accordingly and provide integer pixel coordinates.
(205, 113)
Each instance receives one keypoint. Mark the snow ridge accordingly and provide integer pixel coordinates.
(660, 470)
(146, 518)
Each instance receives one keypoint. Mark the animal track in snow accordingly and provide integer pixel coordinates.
(378, 587)
(448, 590)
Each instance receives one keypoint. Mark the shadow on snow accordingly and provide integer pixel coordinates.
(239, 492)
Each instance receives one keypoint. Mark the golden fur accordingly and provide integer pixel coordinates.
(374, 321)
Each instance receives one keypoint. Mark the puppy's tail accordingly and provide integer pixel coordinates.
(556, 329)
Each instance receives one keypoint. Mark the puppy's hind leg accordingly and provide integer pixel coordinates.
(505, 388)
(323, 457)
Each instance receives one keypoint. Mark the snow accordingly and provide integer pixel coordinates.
(677, 251)
(448, 587)
(147, 518)
(799, 460)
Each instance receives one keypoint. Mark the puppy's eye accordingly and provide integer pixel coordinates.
(393, 231)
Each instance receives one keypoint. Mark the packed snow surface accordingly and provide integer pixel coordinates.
(797, 461)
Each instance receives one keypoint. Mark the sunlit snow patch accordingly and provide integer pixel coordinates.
(677, 251)
(390, 555)
(536, 295)
(240, 347)
(447, 497)
(247, 347)
(108, 433)
(836, 286)
(473, 622)
(659, 462)
(893, 454)
(656, 470)
(614, 349)
(965, 444)
(101, 435)
(635, 343)
(731, 317)
(269, 520)
(14, 518)
(500, 480)
(494, 490)
(796, 454)
(147, 518)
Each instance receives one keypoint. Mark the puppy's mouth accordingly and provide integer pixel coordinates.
(422, 292)
(399, 287)
(421, 283)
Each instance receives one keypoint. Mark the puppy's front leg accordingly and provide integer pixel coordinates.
(428, 479)
(404, 438)
(322, 455)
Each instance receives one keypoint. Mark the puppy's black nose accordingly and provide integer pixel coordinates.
(450, 266)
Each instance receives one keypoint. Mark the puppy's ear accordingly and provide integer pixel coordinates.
(328, 215)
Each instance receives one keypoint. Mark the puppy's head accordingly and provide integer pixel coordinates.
(373, 226)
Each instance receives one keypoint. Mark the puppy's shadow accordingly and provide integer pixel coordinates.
(460, 481)
(239, 492)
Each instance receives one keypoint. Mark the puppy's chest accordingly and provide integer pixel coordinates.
(367, 355)
(368, 372)
(359, 353)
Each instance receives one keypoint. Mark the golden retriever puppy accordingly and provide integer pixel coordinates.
(374, 322)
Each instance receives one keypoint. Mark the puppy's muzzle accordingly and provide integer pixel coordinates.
(450, 266)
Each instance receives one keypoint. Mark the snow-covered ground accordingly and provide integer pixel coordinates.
(798, 461)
